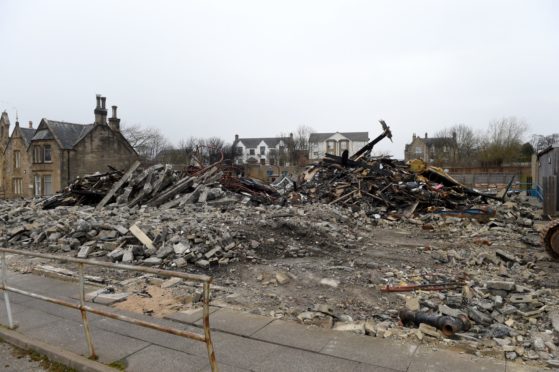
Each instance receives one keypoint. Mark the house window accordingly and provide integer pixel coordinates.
(18, 186)
(331, 147)
(47, 185)
(263, 161)
(272, 161)
(418, 150)
(17, 159)
(47, 154)
(38, 186)
(37, 154)
(262, 150)
(251, 151)
(344, 145)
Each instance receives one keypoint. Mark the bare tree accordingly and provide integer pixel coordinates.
(503, 141)
(540, 142)
(466, 139)
(147, 142)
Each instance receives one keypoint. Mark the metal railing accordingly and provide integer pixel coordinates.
(84, 309)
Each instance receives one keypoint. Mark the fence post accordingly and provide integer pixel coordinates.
(6, 297)
(86, 329)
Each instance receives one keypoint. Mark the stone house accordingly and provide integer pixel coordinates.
(46, 160)
(336, 143)
(262, 151)
(17, 164)
(438, 150)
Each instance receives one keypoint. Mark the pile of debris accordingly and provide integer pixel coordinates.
(386, 187)
(159, 186)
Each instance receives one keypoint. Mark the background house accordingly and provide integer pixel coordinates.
(17, 162)
(41, 161)
(263, 151)
(335, 143)
(437, 150)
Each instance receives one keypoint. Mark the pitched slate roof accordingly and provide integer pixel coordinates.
(27, 134)
(352, 136)
(252, 143)
(67, 134)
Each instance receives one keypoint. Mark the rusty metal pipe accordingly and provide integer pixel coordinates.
(448, 325)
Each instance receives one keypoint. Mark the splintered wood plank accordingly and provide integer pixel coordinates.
(118, 185)
(141, 236)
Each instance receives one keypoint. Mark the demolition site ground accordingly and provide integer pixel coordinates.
(327, 266)
(362, 244)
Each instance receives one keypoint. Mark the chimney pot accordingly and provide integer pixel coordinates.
(425, 134)
(103, 99)
(98, 97)
(30, 124)
(114, 111)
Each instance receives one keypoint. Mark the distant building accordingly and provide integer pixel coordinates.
(439, 150)
(263, 151)
(547, 170)
(335, 143)
(37, 162)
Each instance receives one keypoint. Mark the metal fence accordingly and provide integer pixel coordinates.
(84, 309)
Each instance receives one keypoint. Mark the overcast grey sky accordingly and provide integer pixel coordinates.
(259, 68)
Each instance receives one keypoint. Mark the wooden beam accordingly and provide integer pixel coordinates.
(118, 185)
(141, 236)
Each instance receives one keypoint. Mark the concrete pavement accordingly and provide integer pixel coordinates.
(243, 342)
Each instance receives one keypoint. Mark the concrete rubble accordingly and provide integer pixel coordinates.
(351, 266)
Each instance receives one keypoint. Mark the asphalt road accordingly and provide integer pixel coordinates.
(16, 360)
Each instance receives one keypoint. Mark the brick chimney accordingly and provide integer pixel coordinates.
(425, 134)
(100, 110)
(114, 122)
(30, 124)
(236, 137)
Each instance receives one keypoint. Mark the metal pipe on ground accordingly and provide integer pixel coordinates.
(448, 325)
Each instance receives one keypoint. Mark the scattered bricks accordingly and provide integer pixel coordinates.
(128, 255)
(212, 252)
(282, 278)
(354, 327)
(370, 328)
(85, 250)
(165, 251)
(508, 310)
(334, 283)
(445, 310)
(180, 248)
(106, 296)
(203, 264)
(505, 255)
(479, 317)
(554, 317)
(518, 299)
(429, 330)
(116, 254)
(412, 303)
(500, 285)
(152, 261)
(171, 282)
(121, 229)
(538, 344)
(229, 246)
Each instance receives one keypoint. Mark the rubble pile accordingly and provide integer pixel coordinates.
(385, 187)
(159, 186)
